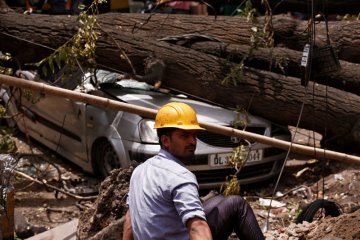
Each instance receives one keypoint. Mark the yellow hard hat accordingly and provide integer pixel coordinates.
(177, 115)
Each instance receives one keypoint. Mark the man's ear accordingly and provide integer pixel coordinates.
(165, 140)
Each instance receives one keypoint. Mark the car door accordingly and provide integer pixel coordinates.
(73, 131)
(54, 121)
(39, 113)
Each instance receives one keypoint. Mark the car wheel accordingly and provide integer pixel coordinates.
(319, 206)
(105, 158)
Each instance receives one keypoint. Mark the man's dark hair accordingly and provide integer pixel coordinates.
(164, 131)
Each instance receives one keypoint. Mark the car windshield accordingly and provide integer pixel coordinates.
(104, 76)
(113, 84)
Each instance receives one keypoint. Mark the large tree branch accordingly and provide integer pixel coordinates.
(283, 61)
(271, 95)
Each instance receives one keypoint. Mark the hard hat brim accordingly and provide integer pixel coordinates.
(184, 127)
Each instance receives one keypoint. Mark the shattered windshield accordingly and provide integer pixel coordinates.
(103, 76)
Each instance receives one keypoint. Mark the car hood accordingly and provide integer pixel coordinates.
(205, 112)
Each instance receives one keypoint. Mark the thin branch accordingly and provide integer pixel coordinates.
(21, 174)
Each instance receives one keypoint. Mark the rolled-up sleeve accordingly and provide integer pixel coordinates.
(187, 202)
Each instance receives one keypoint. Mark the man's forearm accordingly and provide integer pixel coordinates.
(198, 229)
(127, 228)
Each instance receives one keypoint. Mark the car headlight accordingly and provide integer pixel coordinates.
(147, 132)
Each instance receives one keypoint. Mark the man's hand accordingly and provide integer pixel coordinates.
(198, 229)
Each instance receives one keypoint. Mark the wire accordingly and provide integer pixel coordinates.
(286, 158)
(28, 41)
(311, 36)
(53, 49)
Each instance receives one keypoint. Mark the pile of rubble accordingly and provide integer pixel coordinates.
(105, 218)
(346, 226)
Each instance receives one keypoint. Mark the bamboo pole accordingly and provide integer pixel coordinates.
(151, 113)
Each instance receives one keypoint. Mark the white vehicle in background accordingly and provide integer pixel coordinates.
(99, 140)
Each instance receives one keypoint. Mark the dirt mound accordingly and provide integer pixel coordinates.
(342, 188)
(345, 227)
(104, 217)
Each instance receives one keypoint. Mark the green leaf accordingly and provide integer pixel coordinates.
(44, 70)
(63, 54)
(58, 60)
(81, 6)
(51, 63)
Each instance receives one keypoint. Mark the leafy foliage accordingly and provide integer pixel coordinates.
(237, 160)
(5, 57)
(7, 145)
(258, 38)
(241, 119)
(248, 11)
(235, 75)
(281, 62)
(80, 49)
(238, 156)
(232, 186)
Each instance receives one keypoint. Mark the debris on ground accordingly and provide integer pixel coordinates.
(40, 208)
(344, 227)
(98, 221)
(104, 219)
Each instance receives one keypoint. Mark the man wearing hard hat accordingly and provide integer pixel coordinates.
(163, 198)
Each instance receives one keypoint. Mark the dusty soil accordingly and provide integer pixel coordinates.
(300, 184)
(38, 207)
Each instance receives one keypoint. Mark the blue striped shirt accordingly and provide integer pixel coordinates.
(163, 195)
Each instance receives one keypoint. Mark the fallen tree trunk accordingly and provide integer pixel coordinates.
(288, 33)
(138, 28)
(159, 26)
(274, 96)
(283, 61)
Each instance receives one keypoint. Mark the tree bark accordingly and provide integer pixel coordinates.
(4, 8)
(158, 26)
(275, 96)
(283, 61)
(288, 32)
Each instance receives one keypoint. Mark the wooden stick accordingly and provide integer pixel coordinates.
(151, 113)
(21, 174)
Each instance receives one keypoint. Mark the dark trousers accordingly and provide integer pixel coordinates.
(227, 214)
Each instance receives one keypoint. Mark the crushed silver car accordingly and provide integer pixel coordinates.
(99, 140)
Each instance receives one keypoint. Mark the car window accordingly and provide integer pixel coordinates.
(65, 77)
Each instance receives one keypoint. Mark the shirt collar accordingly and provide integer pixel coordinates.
(165, 154)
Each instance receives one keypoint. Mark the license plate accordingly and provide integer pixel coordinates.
(222, 159)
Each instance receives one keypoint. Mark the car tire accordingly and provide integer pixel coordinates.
(104, 158)
(308, 213)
